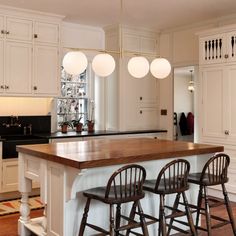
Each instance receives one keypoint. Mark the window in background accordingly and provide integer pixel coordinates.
(75, 95)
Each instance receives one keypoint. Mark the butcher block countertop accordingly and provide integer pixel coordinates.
(106, 152)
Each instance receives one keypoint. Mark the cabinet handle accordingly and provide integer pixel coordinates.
(35, 88)
(6, 87)
(141, 112)
(2, 87)
(226, 56)
(140, 98)
(226, 132)
(2, 31)
(35, 36)
(7, 32)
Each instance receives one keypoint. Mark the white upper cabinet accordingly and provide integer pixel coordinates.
(46, 70)
(19, 29)
(1, 67)
(29, 54)
(18, 68)
(218, 48)
(46, 33)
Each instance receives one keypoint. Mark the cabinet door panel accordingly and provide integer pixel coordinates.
(212, 49)
(46, 33)
(1, 67)
(2, 26)
(9, 176)
(18, 68)
(213, 103)
(231, 46)
(230, 95)
(19, 29)
(46, 70)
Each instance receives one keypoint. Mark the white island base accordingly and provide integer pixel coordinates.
(61, 189)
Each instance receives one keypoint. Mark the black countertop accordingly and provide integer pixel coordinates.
(73, 134)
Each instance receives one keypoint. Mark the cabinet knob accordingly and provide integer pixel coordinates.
(226, 56)
(6, 87)
(2, 87)
(35, 36)
(141, 112)
(35, 88)
(2, 31)
(226, 132)
(7, 32)
(140, 98)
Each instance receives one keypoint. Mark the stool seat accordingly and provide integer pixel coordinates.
(206, 179)
(99, 194)
(173, 186)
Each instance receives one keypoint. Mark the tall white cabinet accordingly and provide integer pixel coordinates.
(134, 101)
(29, 53)
(217, 98)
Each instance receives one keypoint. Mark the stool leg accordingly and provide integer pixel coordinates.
(199, 205)
(162, 219)
(189, 215)
(207, 211)
(142, 220)
(85, 216)
(118, 208)
(175, 207)
(229, 209)
(132, 215)
(112, 226)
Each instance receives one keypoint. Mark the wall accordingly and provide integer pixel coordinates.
(180, 47)
(24, 106)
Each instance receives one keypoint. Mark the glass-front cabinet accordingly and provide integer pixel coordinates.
(73, 102)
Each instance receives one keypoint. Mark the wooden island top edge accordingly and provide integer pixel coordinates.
(106, 152)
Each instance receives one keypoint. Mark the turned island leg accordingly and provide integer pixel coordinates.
(25, 187)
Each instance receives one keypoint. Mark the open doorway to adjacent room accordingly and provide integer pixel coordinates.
(184, 96)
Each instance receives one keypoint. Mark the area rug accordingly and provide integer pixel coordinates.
(13, 206)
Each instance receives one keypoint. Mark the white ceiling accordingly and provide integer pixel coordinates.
(156, 14)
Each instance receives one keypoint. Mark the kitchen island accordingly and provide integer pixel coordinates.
(64, 170)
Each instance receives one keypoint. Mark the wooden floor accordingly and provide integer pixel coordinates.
(8, 224)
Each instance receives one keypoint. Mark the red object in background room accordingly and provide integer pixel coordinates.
(190, 123)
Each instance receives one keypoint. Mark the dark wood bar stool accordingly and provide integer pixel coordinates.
(125, 185)
(214, 173)
(172, 179)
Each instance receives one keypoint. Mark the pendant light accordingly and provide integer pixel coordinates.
(138, 66)
(191, 82)
(103, 64)
(160, 68)
(75, 62)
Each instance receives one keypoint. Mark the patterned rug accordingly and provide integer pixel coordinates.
(13, 206)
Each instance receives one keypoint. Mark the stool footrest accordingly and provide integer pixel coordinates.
(179, 229)
(97, 228)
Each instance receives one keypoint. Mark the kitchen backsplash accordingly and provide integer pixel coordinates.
(19, 124)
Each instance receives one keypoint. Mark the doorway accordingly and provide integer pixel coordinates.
(184, 100)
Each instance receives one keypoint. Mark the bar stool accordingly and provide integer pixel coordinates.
(172, 179)
(125, 185)
(214, 173)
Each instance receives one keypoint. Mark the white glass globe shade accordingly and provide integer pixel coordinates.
(160, 68)
(75, 63)
(138, 67)
(103, 64)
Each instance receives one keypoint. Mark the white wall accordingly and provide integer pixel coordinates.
(180, 46)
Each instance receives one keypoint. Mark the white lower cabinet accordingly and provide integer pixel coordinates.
(9, 175)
